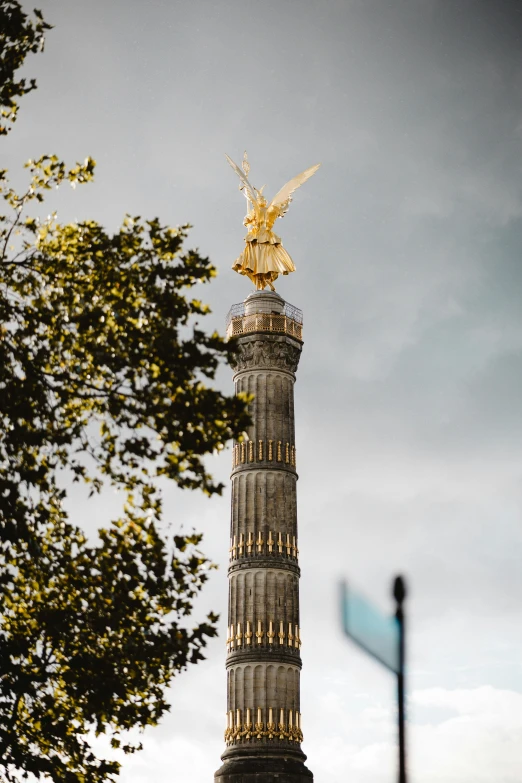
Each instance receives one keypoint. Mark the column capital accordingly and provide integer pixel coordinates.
(262, 351)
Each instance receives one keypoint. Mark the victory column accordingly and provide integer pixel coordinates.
(263, 724)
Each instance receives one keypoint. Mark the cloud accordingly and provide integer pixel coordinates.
(478, 739)
(481, 742)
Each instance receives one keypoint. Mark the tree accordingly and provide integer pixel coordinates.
(91, 637)
(103, 378)
(19, 36)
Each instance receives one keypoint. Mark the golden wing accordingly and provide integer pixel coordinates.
(283, 198)
(250, 191)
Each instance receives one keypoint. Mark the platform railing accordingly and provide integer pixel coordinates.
(264, 322)
(290, 321)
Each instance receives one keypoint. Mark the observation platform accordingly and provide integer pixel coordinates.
(262, 312)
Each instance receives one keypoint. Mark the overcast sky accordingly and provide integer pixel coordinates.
(408, 398)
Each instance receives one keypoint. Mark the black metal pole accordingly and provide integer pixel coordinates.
(399, 593)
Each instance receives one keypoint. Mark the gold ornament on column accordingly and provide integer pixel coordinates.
(281, 633)
(270, 542)
(248, 633)
(260, 543)
(270, 633)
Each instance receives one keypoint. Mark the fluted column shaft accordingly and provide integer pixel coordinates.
(264, 637)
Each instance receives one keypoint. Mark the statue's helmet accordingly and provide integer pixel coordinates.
(261, 200)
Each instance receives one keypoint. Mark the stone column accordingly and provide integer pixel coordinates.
(263, 729)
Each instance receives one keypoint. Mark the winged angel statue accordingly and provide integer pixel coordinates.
(264, 257)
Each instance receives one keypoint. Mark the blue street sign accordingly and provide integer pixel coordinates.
(366, 626)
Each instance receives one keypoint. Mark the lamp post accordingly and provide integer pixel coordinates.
(399, 593)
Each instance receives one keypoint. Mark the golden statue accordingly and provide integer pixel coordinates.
(264, 257)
